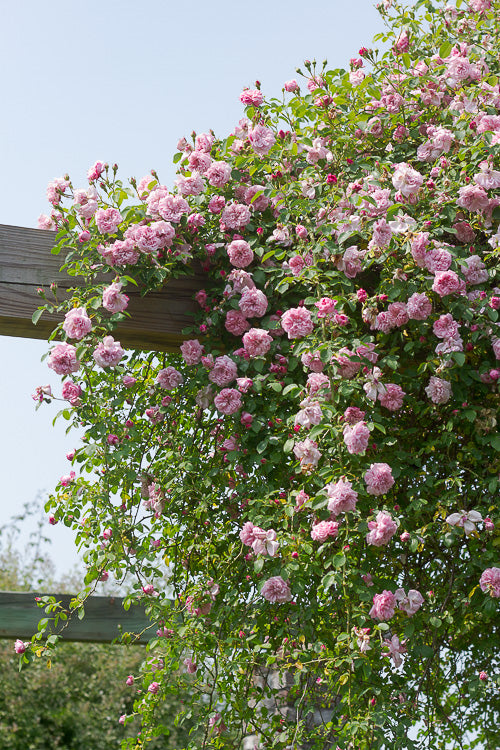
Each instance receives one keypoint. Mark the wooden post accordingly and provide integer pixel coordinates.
(26, 263)
(104, 621)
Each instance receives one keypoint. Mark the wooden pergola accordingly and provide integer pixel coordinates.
(156, 323)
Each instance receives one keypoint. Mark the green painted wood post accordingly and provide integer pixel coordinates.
(105, 618)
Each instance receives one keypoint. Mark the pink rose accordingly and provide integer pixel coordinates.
(379, 479)
(357, 437)
(419, 307)
(392, 399)
(108, 352)
(253, 303)
(218, 174)
(262, 139)
(341, 497)
(490, 582)
(406, 179)
(257, 342)
(113, 300)
(191, 351)
(308, 454)
(228, 401)
(63, 359)
(107, 220)
(236, 323)
(20, 647)
(224, 371)
(381, 530)
(438, 390)
(384, 605)
(251, 97)
(235, 215)
(169, 378)
(77, 323)
(276, 590)
(240, 253)
(96, 171)
(409, 603)
(446, 282)
(324, 529)
(297, 322)
(71, 392)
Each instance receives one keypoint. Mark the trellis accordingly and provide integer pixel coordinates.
(156, 323)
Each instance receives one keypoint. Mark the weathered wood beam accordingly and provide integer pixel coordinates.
(26, 263)
(105, 619)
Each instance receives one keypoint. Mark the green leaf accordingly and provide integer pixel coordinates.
(288, 445)
(495, 442)
(37, 315)
(459, 358)
(445, 49)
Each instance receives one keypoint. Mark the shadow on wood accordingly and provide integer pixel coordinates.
(26, 263)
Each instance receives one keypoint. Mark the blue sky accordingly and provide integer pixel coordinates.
(122, 82)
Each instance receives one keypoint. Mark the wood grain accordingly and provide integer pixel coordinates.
(26, 263)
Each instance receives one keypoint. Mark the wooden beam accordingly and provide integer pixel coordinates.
(26, 263)
(104, 620)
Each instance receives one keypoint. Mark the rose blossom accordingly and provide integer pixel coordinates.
(20, 646)
(406, 179)
(472, 198)
(240, 253)
(312, 360)
(235, 215)
(264, 542)
(218, 174)
(244, 384)
(392, 399)
(342, 498)
(445, 327)
(228, 401)
(438, 390)
(395, 648)
(466, 520)
(419, 307)
(107, 220)
(310, 414)
(262, 139)
(63, 359)
(490, 582)
(257, 342)
(409, 603)
(191, 351)
(297, 322)
(224, 371)
(381, 530)
(77, 323)
(236, 323)
(252, 97)
(71, 392)
(324, 529)
(108, 352)
(446, 282)
(276, 590)
(254, 200)
(318, 383)
(253, 303)
(357, 437)
(169, 378)
(379, 479)
(352, 415)
(112, 300)
(308, 454)
(384, 605)
(347, 368)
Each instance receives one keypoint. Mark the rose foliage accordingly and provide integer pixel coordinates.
(317, 466)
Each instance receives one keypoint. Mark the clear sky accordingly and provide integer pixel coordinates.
(122, 81)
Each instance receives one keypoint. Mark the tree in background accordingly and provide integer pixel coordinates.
(318, 466)
(73, 701)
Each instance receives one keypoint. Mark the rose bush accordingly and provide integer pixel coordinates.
(336, 400)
